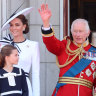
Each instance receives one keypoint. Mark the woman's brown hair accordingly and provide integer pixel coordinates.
(25, 22)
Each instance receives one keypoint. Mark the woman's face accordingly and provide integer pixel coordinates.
(17, 27)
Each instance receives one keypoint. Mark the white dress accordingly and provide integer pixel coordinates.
(29, 58)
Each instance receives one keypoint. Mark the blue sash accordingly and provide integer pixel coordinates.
(75, 69)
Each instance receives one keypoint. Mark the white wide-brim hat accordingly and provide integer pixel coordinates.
(24, 12)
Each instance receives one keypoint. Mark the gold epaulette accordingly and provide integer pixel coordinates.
(65, 37)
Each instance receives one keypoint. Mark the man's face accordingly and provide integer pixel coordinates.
(79, 32)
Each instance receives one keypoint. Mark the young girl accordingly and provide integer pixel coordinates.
(12, 79)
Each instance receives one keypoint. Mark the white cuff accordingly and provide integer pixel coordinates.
(45, 29)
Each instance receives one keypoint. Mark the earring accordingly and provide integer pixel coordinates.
(24, 29)
(87, 39)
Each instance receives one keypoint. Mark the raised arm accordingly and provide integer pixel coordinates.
(54, 45)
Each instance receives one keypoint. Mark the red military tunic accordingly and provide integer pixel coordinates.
(58, 48)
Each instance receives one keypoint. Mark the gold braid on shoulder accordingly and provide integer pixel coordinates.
(78, 52)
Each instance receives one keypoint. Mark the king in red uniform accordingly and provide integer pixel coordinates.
(76, 59)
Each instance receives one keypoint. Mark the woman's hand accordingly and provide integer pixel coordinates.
(45, 14)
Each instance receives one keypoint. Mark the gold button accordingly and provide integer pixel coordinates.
(82, 72)
(81, 76)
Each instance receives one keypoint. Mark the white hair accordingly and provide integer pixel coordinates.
(80, 21)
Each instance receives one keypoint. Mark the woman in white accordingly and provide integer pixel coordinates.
(29, 58)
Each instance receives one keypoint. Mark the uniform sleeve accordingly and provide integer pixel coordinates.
(36, 71)
(53, 45)
(24, 85)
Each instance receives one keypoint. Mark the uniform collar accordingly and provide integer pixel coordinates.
(83, 45)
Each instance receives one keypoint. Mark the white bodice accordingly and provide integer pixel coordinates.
(26, 57)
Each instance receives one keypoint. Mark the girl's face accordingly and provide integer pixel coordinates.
(13, 57)
(17, 27)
